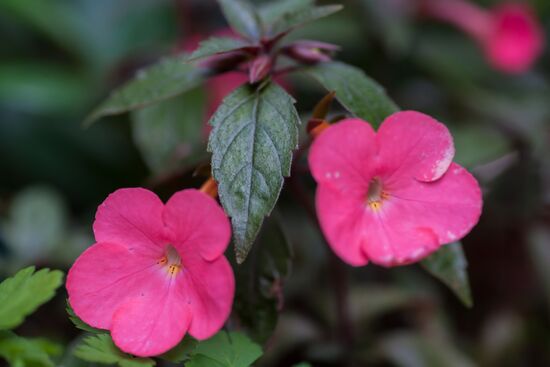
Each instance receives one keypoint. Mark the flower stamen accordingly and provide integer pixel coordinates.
(171, 261)
(375, 194)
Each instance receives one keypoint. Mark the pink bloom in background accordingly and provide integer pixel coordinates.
(510, 35)
(156, 272)
(393, 196)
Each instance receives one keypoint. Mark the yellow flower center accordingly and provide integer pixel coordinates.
(171, 260)
(375, 194)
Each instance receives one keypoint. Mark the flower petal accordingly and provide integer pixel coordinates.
(413, 144)
(104, 277)
(198, 223)
(131, 217)
(208, 288)
(450, 206)
(151, 325)
(342, 219)
(343, 156)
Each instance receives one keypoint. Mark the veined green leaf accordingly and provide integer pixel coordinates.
(255, 131)
(101, 349)
(358, 93)
(216, 45)
(225, 350)
(167, 78)
(23, 293)
(273, 11)
(260, 280)
(242, 17)
(449, 265)
(294, 19)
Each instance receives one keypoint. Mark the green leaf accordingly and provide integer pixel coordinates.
(225, 350)
(216, 45)
(255, 131)
(79, 323)
(291, 20)
(259, 292)
(170, 132)
(101, 349)
(35, 352)
(449, 265)
(37, 223)
(358, 93)
(167, 78)
(23, 293)
(181, 352)
(242, 17)
(273, 11)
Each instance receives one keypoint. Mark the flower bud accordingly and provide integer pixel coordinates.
(259, 68)
(310, 52)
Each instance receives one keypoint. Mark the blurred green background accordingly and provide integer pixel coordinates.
(59, 58)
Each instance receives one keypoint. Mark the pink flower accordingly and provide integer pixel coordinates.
(391, 197)
(516, 39)
(156, 272)
(510, 35)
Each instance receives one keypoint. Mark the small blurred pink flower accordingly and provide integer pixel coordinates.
(509, 34)
(156, 272)
(391, 197)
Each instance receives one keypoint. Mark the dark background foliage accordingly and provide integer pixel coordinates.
(58, 59)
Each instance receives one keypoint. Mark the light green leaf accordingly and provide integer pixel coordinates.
(290, 20)
(79, 323)
(225, 350)
(167, 78)
(358, 93)
(181, 352)
(216, 45)
(170, 132)
(242, 17)
(23, 293)
(24, 352)
(255, 131)
(101, 349)
(260, 282)
(37, 223)
(449, 265)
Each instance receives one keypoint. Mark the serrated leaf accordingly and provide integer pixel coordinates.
(23, 293)
(170, 132)
(291, 20)
(181, 352)
(167, 78)
(79, 323)
(216, 45)
(101, 349)
(225, 350)
(35, 352)
(260, 279)
(255, 131)
(358, 93)
(449, 265)
(242, 17)
(273, 11)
